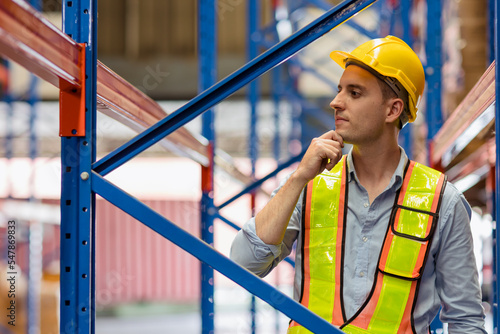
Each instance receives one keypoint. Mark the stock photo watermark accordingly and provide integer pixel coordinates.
(11, 274)
(153, 78)
(227, 6)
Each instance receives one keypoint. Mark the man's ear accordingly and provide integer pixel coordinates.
(395, 108)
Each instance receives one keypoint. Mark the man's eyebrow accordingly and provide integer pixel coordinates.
(351, 86)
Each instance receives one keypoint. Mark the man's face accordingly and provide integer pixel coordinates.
(359, 107)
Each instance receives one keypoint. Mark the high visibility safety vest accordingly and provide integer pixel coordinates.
(390, 304)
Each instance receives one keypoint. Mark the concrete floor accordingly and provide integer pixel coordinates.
(232, 316)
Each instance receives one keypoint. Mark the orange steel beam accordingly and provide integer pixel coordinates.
(72, 104)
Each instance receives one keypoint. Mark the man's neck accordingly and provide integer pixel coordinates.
(375, 166)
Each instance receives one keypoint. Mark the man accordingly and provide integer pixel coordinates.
(382, 242)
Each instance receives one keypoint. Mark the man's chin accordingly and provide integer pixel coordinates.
(342, 133)
(346, 138)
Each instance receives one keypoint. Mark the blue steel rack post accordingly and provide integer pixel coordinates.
(496, 299)
(253, 15)
(433, 74)
(404, 10)
(207, 54)
(77, 199)
(35, 229)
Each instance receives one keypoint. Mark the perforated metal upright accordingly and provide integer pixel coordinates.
(77, 199)
(491, 30)
(432, 69)
(253, 36)
(405, 134)
(496, 287)
(433, 74)
(9, 135)
(207, 60)
(35, 228)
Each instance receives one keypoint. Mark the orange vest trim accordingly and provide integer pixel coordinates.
(338, 314)
(364, 316)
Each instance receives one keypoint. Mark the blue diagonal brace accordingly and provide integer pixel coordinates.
(325, 6)
(209, 255)
(231, 84)
(227, 222)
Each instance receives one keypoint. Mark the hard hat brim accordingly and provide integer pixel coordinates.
(340, 57)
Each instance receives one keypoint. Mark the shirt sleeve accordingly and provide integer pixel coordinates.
(249, 251)
(456, 273)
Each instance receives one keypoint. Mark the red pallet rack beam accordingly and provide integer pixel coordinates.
(122, 101)
(483, 158)
(474, 105)
(32, 41)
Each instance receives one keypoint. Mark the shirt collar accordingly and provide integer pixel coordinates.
(397, 177)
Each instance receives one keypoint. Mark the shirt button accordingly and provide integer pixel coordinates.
(367, 205)
(365, 239)
(362, 274)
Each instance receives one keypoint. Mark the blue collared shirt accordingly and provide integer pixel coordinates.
(450, 276)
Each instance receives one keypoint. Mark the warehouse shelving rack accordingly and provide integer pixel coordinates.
(69, 61)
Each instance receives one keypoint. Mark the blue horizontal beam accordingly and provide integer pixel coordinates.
(204, 252)
(231, 84)
(259, 182)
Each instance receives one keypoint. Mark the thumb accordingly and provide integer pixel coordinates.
(331, 163)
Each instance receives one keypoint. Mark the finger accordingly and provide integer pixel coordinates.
(331, 163)
(328, 135)
(323, 165)
(328, 147)
(332, 143)
(331, 158)
(322, 144)
(332, 135)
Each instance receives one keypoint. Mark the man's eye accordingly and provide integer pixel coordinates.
(355, 93)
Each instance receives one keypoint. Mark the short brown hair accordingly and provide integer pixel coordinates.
(389, 93)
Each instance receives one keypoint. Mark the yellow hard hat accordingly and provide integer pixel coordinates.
(393, 58)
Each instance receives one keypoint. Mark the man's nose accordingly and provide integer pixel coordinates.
(336, 103)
